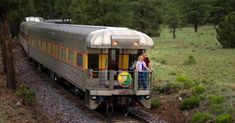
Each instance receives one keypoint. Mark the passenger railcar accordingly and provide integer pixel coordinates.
(91, 58)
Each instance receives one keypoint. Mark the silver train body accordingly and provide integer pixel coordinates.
(91, 58)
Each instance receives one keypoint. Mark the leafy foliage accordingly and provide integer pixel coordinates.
(214, 99)
(190, 102)
(195, 12)
(27, 95)
(218, 9)
(146, 16)
(201, 117)
(224, 118)
(198, 89)
(226, 31)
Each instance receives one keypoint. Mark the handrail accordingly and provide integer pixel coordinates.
(108, 77)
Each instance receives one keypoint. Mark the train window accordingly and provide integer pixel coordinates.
(64, 54)
(39, 44)
(71, 56)
(30, 41)
(49, 48)
(43, 46)
(61, 53)
(57, 51)
(79, 59)
(56, 54)
(132, 61)
(33, 43)
(53, 49)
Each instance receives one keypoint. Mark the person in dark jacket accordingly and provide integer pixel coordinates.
(148, 65)
(147, 61)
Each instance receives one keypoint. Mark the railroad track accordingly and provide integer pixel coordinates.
(116, 117)
(125, 119)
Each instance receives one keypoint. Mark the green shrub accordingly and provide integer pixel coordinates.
(224, 118)
(226, 31)
(182, 78)
(214, 99)
(198, 89)
(201, 117)
(190, 61)
(171, 87)
(186, 82)
(155, 103)
(28, 96)
(216, 108)
(190, 102)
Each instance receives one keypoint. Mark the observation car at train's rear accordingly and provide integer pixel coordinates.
(98, 60)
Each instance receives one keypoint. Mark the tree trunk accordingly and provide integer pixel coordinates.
(195, 27)
(3, 54)
(174, 28)
(7, 41)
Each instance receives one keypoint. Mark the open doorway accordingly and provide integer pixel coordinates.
(113, 58)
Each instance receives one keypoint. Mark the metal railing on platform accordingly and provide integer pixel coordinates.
(105, 79)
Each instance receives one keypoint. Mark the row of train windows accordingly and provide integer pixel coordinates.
(60, 52)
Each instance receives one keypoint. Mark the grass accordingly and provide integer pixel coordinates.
(190, 103)
(201, 117)
(197, 57)
(224, 118)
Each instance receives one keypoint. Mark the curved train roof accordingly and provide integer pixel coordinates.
(93, 36)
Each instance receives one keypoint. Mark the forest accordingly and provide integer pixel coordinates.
(142, 15)
(193, 57)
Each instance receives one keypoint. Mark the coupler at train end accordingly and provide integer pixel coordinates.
(93, 101)
(145, 101)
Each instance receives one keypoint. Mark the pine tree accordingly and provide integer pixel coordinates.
(195, 12)
(146, 16)
(172, 15)
(226, 31)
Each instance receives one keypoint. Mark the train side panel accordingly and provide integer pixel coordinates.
(72, 74)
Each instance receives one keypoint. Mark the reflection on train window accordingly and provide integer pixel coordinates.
(71, 56)
(79, 59)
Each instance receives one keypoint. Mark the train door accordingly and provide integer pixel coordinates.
(113, 59)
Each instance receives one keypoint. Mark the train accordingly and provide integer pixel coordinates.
(98, 60)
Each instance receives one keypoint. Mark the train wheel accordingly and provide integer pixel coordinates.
(52, 76)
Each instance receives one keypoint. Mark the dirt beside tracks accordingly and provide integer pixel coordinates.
(56, 103)
(169, 110)
(11, 112)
